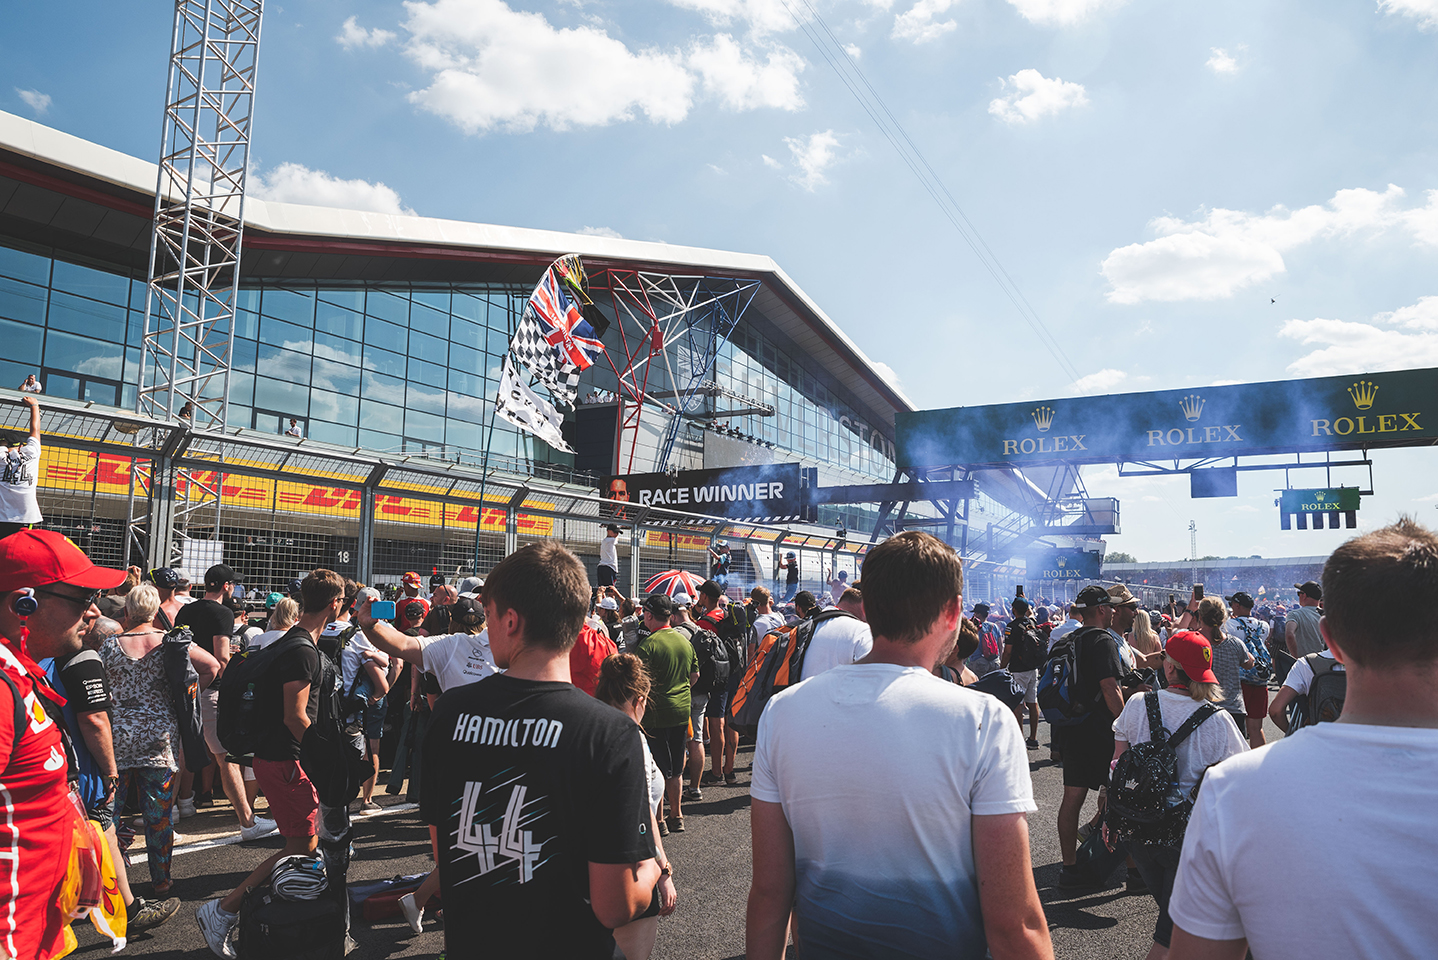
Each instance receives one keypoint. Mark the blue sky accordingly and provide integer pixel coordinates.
(1153, 175)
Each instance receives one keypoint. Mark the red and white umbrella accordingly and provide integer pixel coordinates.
(671, 582)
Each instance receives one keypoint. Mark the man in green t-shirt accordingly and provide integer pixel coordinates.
(673, 668)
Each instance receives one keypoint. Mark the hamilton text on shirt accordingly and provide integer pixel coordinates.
(494, 732)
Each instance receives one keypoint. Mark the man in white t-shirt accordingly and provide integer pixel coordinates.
(455, 659)
(609, 557)
(19, 475)
(1357, 806)
(838, 640)
(1297, 683)
(926, 853)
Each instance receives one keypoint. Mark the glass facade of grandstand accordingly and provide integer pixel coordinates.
(384, 366)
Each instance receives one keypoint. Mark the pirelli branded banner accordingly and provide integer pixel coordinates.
(1397, 409)
(765, 492)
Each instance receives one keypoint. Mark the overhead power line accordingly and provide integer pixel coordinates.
(863, 91)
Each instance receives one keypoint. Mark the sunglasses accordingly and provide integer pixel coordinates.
(83, 603)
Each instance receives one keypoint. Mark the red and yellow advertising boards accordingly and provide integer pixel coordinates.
(109, 475)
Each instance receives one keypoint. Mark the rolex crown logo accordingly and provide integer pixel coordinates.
(1043, 418)
(1192, 406)
(1363, 393)
(1061, 561)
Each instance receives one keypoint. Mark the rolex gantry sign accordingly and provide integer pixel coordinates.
(1325, 413)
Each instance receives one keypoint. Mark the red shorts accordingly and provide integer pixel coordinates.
(1255, 700)
(294, 805)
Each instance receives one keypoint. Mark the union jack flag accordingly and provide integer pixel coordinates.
(562, 321)
(558, 334)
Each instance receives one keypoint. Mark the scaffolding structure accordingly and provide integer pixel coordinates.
(193, 278)
(670, 329)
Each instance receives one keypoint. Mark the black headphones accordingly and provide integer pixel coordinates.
(25, 603)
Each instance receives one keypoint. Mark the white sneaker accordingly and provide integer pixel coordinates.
(261, 828)
(187, 808)
(216, 925)
(412, 912)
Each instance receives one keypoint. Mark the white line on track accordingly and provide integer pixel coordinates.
(138, 858)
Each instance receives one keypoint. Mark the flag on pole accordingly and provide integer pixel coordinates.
(558, 335)
(521, 406)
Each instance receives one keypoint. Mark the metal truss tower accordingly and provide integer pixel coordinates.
(195, 244)
(670, 330)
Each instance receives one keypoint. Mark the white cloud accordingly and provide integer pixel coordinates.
(919, 22)
(771, 163)
(813, 156)
(1100, 381)
(887, 372)
(498, 67)
(852, 49)
(494, 67)
(742, 83)
(353, 36)
(1229, 250)
(600, 232)
(296, 183)
(1403, 339)
(763, 17)
(35, 100)
(1424, 11)
(1222, 62)
(1034, 96)
(1061, 13)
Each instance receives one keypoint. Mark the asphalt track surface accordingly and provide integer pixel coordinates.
(711, 862)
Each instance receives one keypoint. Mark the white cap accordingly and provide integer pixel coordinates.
(608, 604)
(681, 599)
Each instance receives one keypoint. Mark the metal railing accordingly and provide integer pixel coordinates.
(287, 505)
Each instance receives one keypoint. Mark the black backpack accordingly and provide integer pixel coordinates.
(714, 658)
(273, 928)
(732, 626)
(1326, 693)
(1029, 647)
(1059, 680)
(1145, 803)
(333, 752)
(239, 720)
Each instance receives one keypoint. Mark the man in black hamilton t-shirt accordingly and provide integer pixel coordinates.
(537, 790)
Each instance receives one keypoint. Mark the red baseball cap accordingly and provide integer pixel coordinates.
(36, 558)
(1194, 653)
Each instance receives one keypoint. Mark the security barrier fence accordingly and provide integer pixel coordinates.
(132, 490)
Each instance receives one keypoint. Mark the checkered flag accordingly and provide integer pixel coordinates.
(530, 348)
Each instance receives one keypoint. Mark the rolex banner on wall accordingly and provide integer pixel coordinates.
(521, 406)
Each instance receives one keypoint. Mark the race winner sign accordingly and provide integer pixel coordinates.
(769, 491)
(1395, 409)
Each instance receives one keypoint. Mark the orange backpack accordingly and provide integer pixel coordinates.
(777, 665)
